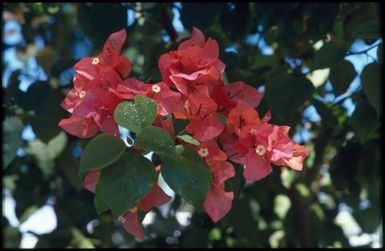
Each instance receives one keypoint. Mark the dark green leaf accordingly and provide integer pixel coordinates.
(136, 115)
(370, 79)
(190, 12)
(188, 175)
(365, 122)
(286, 93)
(368, 219)
(341, 76)
(328, 56)
(99, 203)
(126, 182)
(101, 151)
(155, 139)
(368, 30)
(236, 183)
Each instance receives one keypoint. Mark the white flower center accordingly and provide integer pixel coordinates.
(260, 150)
(82, 94)
(156, 88)
(253, 131)
(203, 152)
(95, 61)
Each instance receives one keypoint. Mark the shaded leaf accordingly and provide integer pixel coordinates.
(365, 122)
(101, 151)
(188, 175)
(370, 79)
(126, 182)
(328, 56)
(155, 139)
(286, 93)
(341, 76)
(368, 30)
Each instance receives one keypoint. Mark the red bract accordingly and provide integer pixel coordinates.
(91, 102)
(166, 99)
(130, 220)
(195, 62)
(218, 201)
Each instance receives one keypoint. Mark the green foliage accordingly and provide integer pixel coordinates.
(100, 152)
(341, 76)
(136, 115)
(370, 79)
(188, 175)
(124, 183)
(328, 56)
(293, 92)
(155, 139)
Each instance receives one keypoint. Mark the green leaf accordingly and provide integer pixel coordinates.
(286, 93)
(155, 139)
(341, 76)
(188, 139)
(136, 115)
(368, 30)
(99, 203)
(364, 121)
(188, 175)
(328, 56)
(370, 79)
(101, 151)
(126, 182)
(190, 12)
(236, 183)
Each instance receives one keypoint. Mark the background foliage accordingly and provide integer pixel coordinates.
(302, 55)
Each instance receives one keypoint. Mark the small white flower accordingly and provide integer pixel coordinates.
(156, 88)
(260, 150)
(95, 61)
(203, 152)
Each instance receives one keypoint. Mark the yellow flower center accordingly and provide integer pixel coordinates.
(156, 88)
(95, 61)
(203, 152)
(260, 150)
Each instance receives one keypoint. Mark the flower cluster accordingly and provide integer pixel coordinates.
(221, 117)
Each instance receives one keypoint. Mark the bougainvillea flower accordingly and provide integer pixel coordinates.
(225, 104)
(108, 58)
(155, 198)
(209, 150)
(239, 91)
(166, 99)
(194, 62)
(218, 202)
(242, 115)
(130, 220)
(205, 129)
(80, 127)
(132, 225)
